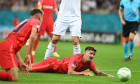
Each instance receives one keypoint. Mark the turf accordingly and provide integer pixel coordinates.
(108, 59)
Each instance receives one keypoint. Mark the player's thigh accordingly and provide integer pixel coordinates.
(126, 30)
(7, 55)
(133, 30)
(75, 28)
(14, 72)
(44, 65)
(131, 36)
(49, 28)
(60, 28)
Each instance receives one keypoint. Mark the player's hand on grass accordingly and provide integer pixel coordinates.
(108, 75)
(24, 69)
(27, 58)
(88, 74)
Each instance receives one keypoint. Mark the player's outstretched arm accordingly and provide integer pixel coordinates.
(31, 43)
(98, 73)
(72, 72)
(22, 66)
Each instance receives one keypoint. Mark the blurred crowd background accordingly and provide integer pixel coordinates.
(99, 17)
(88, 6)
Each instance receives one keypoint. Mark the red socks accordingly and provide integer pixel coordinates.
(55, 49)
(5, 76)
(35, 45)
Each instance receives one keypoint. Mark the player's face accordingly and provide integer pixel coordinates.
(39, 16)
(89, 55)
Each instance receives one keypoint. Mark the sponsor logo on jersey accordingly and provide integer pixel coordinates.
(39, 24)
(134, 9)
(47, 7)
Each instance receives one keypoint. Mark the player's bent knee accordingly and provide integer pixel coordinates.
(131, 38)
(54, 41)
(75, 42)
(14, 73)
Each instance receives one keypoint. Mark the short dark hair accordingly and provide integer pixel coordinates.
(90, 48)
(35, 11)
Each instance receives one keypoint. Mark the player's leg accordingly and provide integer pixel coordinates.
(75, 29)
(51, 46)
(125, 46)
(131, 43)
(8, 61)
(55, 50)
(132, 34)
(125, 32)
(44, 65)
(5, 76)
(11, 74)
(14, 73)
(59, 29)
(49, 30)
(76, 45)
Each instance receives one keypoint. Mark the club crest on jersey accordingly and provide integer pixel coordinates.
(134, 9)
(39, 24)
(74, 65)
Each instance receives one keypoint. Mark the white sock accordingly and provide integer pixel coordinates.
(76, 49)
(49, 50)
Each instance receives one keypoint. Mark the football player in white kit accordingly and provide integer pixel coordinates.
(69, 16)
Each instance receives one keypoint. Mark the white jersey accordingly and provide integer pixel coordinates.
(70, 8)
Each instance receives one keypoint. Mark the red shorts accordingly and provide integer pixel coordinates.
(7, 55)
(46, 25)
(50, 65)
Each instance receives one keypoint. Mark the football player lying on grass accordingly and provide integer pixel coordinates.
(73, 65)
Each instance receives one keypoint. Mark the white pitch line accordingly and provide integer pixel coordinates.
(116, 70)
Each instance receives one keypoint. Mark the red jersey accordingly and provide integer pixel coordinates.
(22, 32)
(47, 7)
(75, 61)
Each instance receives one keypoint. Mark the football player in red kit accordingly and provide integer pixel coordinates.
(10, 59)
(74, 64)
(47, 6)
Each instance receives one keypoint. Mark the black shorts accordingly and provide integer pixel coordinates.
(130, 27)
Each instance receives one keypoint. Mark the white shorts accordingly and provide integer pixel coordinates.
(60, 27)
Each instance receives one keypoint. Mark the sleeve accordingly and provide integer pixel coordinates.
(54, 4)
(72, 62)
(121, 5)
(139, 5)
(92, 66)
(36, 24)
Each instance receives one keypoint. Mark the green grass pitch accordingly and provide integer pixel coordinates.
(108, 59)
